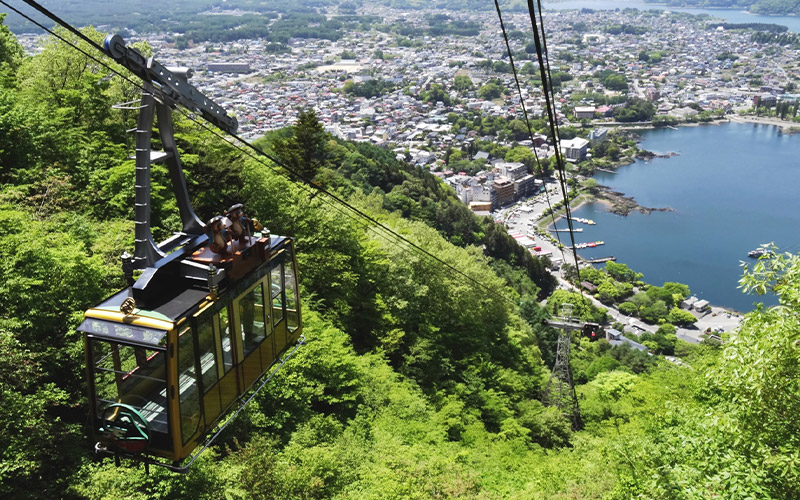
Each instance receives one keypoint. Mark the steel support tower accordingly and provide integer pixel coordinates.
(560, 390)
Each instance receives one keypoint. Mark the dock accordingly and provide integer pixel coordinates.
(591, 244)
(576, 230)
(601, 260)
(606, 170)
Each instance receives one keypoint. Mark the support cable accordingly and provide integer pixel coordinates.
(530, 131)
(547, 87)
(354, 211)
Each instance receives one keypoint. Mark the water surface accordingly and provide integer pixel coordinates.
(732, 188)
(729, 15)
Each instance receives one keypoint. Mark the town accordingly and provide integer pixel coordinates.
(448, 102)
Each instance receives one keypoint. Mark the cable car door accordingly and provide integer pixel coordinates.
(251, 324)
(227, 352)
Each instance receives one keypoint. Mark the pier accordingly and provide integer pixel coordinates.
(591, 244)
(576, 230)
(601, 260)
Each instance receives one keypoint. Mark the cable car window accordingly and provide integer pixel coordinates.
(251, 316)
(225, 339)
(134, 376)
(292, 321)
(277, 294)
(208, 355)
(189, 392)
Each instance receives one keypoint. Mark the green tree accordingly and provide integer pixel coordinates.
(666, 329)
(628, 308)
(437, 93)
(10, 54)
(594, 276)
(518, 130)
(607, 293)
(679, 291)
(654, 312)
(601, 364)
(463, 83)
(50, 270)
(757, 375)
(615, 81)
(65, 98)
(454, 156)
(621, 272)
(635, 110)
(681, 317)
(611, 386)
(529, 69)
(522, 154)
(489, 91)
(661, 293)
(17, 146)
(306, 151)
(583, 308)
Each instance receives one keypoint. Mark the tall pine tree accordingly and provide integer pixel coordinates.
(306, 150)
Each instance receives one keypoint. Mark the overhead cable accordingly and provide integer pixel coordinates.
(551, 113)
(355, 212)
(528, 125)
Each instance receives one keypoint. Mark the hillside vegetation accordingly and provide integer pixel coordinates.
(415, 382)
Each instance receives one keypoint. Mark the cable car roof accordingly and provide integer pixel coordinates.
(170, 308)
(158, 317)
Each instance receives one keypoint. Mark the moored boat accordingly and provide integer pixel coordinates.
(758, 252)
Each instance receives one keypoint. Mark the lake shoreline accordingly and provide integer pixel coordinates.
(727, 15)
(691, 244)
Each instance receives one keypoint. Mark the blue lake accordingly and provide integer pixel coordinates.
(732, 188)
(729, 15)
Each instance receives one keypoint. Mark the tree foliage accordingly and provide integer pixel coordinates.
(305, 151)
(490, 91)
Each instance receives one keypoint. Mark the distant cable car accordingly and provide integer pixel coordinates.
(592, 331)
(170, 355)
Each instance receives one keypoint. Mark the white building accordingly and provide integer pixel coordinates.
(575, 149)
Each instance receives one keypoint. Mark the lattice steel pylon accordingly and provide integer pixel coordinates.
(560, 391)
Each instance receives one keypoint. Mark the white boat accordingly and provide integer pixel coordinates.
(758, 252)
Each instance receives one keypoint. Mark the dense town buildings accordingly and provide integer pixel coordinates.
(675, 61)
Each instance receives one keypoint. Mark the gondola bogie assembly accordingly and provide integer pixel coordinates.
(214, 308)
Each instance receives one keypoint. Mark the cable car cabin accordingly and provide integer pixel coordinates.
(166, 361)
(214, 307)
(593, 331)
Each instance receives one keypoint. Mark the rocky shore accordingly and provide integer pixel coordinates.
(620, 204)
(649, 155)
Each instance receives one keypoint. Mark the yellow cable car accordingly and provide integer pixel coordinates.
(161, 378)
(168, 357)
